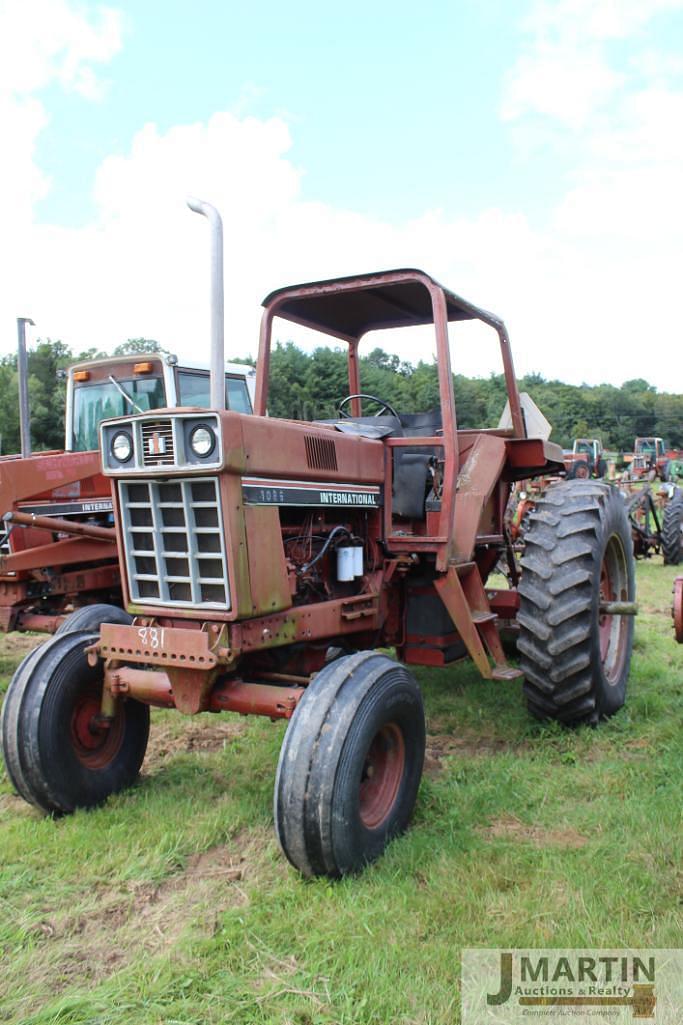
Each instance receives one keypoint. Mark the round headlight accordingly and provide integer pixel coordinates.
(202, 441)
(122, 447)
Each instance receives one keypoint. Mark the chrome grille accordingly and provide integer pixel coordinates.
(173, 539)
(158, 448)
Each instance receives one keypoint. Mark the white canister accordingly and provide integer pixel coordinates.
(358, 561)
(345, 563)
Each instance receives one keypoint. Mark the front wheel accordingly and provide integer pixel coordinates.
(63, 756)
(91, 617)
(578, 560)
(350, 765)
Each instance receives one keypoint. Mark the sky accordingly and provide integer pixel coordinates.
(529, 155)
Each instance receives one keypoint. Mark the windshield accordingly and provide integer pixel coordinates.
(96, 402)
(194, 390)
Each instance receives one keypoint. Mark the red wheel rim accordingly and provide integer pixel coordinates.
(95, 743)
(382, 775)
(613, 630)
(582, 473)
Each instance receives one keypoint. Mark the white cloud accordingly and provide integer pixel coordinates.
(42, 41)
(564, 70)
(561, 81)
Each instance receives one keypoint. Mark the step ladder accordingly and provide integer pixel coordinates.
(462, 591)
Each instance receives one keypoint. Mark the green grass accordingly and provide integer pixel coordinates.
(173, 904)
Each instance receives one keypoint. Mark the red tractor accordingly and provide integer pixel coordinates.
(58, 550)
(586, 459)
(650, 459)
(264, 562)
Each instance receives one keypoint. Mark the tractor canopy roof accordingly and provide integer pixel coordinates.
(349, 307)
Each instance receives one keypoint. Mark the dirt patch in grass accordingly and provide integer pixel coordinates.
(509, 828)
(147, 919)
(444, 745)
(166, 740)
(12, 804)
(19, 644)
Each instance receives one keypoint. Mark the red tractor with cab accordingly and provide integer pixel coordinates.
(586, 459)
(58, 548)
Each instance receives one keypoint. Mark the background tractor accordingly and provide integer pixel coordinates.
(58, 548)
(255, 550)
(586, 459)
(650, 459)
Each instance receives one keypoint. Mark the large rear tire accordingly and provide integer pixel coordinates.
(579, 553)
(350, 765)
(672, 525)
(62, 756)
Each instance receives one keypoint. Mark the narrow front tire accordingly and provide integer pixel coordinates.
(350, 765)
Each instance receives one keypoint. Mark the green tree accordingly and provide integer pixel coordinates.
(135, 346)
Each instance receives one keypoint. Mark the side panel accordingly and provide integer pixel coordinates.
(267, 568)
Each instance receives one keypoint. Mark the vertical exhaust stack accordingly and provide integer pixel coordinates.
(22, 374)
(198, 206)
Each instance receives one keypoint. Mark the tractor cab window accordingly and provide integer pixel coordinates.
(194, 390)
(101, 400)
(237, 395)
(584, 447)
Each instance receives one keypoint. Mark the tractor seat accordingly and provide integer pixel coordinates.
(416, 424)
(412, 477)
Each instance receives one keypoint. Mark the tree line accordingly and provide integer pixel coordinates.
(308, 386)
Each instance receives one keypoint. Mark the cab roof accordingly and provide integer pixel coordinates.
(349, 307)
(133, 357)
(144, 357)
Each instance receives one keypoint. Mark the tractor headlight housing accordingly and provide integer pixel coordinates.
(121, 446)
(202, 441)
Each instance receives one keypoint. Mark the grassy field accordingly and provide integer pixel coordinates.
(173, 904)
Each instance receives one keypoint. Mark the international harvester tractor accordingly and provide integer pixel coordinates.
(586, 459)
(270, 565)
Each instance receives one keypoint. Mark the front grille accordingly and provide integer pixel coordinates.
(173, 539)
(157, 443)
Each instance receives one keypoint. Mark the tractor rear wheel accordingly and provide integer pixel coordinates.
(63, 756)
(574, 655)
(350, 765)
(672, 527)
(91, 617)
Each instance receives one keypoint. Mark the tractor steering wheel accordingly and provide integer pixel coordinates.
(383, 406)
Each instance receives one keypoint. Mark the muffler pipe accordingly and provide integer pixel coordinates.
(22, 374)
(217, 378)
